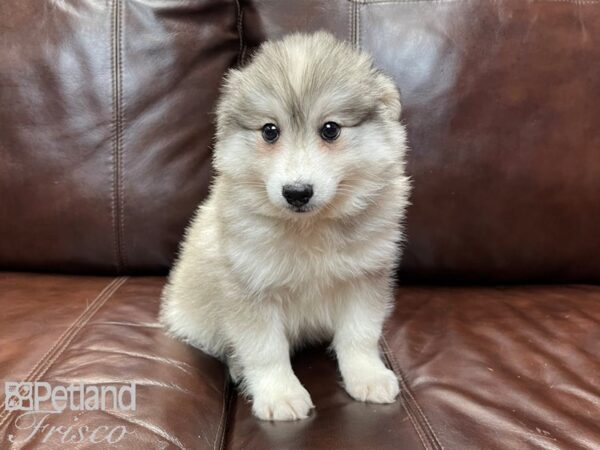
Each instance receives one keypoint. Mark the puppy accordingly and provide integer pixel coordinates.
(299, 237)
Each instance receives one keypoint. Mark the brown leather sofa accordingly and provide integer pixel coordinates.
(105, 136)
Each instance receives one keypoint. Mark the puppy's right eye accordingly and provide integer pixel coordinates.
(270, 133)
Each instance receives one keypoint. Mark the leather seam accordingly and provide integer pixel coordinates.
(83, 322)
(353, 35)
(117, 131)
(350, 9)
(358, 33)
(68, 329)
(64, 340)
(223, 425)
(413, 420)
(417, 428)
(112, 126)
(411, 401)
(121, 140)
(240, 30)
(410, 394)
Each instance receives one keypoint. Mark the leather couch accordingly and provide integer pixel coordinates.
(105, 141)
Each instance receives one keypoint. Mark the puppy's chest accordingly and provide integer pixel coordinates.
(309, 264)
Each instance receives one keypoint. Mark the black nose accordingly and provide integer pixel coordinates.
(297, 194)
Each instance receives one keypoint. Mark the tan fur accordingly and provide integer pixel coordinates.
(255, 279)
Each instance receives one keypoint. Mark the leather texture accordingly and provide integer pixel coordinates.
(105, 128)
(500, 367)
(103, 331)
(480, 367)
(105, 142)
(100, 174)
(499, 103)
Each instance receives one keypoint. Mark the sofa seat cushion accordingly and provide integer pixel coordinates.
(103, 331)
(506, 367)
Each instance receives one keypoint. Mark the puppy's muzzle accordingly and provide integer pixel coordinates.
(297, 195)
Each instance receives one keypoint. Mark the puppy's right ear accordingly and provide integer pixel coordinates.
(231, 80)
(389, 97)
(226, 105)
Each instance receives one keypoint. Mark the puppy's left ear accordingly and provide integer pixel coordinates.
(388, 97)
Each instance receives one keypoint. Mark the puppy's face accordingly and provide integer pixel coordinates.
(309, 128)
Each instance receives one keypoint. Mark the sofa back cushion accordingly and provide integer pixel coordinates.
(501, 104)
(106, 128)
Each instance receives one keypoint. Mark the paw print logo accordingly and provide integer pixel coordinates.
(18, 396)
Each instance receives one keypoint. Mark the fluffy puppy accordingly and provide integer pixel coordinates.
(299, 237)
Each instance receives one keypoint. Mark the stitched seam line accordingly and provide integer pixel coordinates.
(358, 33)
(406, 405)
(112, 126)
(240, 30)
(411, 402)
(350, 6)
(354, 34)
(409, 393)
(121, 139)
(46, 361)
(223, 425)
(117, 131)
(36, 367)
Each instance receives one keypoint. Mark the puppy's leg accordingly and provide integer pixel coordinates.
(262, 351)
(358, 329)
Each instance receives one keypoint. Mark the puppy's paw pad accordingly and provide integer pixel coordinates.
(374, 387)
(285, 406)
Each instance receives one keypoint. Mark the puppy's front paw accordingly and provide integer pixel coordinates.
(375, 386)
(289, 404)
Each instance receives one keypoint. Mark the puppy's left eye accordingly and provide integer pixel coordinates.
(330, 131)
(270, 133)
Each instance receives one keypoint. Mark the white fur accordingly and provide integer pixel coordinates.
(255, 279)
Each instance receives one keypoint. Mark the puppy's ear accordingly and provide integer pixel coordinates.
(231, 80)
(388, 97)
(226, 105)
